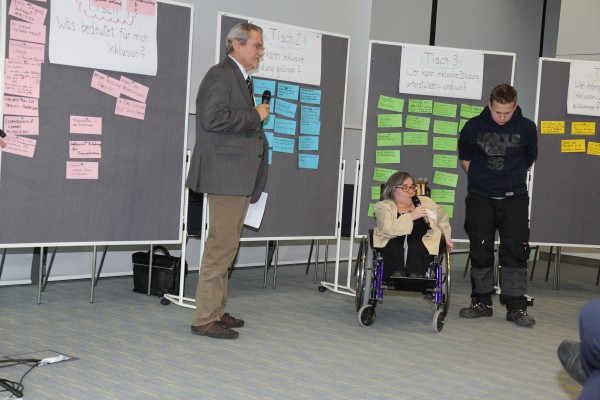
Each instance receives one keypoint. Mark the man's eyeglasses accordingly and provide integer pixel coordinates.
(258, 47)
(406, 188)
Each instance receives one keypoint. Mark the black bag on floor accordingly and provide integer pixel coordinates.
(165, 271)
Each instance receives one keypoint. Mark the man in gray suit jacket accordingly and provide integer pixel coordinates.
(230, 164)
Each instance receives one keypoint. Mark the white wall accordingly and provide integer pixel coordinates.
(579, 31)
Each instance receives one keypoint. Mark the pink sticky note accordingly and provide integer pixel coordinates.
(27, 11)
(146, 7)
(17, 125)
(82, 170)
(18, 50)
(19, 145)
(116, 5)
(130, 108)
(82, 124)
(85, 149)
(14, 105)
(106, 84)
(27, 32)
(133, 89)
(22, 78)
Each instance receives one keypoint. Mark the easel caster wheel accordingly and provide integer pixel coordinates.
(322, 289)
(165, 302)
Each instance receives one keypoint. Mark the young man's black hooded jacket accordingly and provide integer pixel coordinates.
(499, 154)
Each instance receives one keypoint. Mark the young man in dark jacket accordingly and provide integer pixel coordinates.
(496, 148)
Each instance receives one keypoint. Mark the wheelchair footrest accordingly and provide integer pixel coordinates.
(411, 284)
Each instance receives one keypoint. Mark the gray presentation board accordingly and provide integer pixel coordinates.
(564, 204)
(418, 160)
(303, 203)
(138, 195)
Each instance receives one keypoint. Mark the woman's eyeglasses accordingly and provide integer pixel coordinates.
(406, 188)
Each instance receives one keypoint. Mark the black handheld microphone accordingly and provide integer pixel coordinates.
(417, 203)
(2, 134)
(266, 97)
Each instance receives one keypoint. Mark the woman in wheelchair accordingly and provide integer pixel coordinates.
(409, 231)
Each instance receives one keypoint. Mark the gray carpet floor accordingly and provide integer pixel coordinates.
(298, 343)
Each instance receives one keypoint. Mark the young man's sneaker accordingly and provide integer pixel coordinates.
(476, 310)
(520, 317)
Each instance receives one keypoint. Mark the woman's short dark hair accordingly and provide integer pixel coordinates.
(240, 32)
(397, 178)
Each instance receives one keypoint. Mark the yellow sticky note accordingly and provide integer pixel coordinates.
(572, 146)
(594, 148)
(552, 127)
(583, 128)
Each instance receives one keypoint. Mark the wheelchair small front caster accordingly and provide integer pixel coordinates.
(367, 315)
(438, 320)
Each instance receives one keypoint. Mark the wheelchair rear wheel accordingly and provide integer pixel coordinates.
(364, 276)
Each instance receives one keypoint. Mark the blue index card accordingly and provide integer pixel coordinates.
(269, 136)
(308, 161)
(310, 128)
(283, 145)
(285, 108)
(269, 123)
(310, 96)
(287, 91)
(285, 126)
(308, 143)
(310, 114)
(260, 85)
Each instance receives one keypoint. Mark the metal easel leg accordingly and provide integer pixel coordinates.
(43, 255)
(4, 256)
(101, 265)
(556, 279)
(93, 274)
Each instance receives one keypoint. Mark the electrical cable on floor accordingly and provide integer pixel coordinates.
(16, 388)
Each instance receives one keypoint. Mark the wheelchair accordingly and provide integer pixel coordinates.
(370, 283)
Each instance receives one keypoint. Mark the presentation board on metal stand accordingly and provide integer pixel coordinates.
(417, 99)
(305, 70)
(565, 190)
(95, 108)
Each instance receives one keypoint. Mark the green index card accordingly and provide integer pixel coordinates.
(445, 161)
(461, 124)
(445, 178)
(375, 192)
(389, 139)
(442, 195)
(371, 212)
(382, 174)
(417, 123)
(444, 109)
(390, 103)
(387, 156)
(469, 111)
(449, 209)
(389, 120)
(420, 106)
(415, 138)
(444, 143)
(445, 127)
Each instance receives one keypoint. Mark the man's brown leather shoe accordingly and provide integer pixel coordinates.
(215, 329)
(231, 321)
